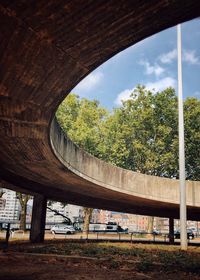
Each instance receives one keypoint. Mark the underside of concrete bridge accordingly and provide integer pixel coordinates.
(48, 47)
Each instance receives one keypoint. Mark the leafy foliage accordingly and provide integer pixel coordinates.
(141, 135)
(82, 120)
(192, 137)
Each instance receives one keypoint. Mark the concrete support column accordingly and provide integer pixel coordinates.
(171, 230)
(38, 219)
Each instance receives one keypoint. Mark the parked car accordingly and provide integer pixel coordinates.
(190, 234)
(195, 231)
(156, 232)
(110, 227)
(63, 229)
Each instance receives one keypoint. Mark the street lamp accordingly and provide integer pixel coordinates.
(183, 218)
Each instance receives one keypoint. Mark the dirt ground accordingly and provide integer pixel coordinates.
(92, 261)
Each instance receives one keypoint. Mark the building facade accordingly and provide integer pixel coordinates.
(11, 210)
(73, 212)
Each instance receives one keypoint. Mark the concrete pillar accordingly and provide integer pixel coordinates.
(171, 230)
(38, 219)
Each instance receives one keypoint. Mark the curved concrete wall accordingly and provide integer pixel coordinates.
(117, 179)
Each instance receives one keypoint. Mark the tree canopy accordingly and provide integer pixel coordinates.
(140, 135)
(82, 120)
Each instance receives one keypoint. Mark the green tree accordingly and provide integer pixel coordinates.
(82, 121)
(192, 137)
(141, 135)
(67, 112)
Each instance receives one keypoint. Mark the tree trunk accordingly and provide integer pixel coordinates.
(23, 199)
(87, 217)
(22, 225)
(150, 224)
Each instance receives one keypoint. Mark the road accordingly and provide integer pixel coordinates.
(19, 235)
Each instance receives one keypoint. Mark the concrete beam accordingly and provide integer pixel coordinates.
(31, 92)
(38, 219)
(171, 230)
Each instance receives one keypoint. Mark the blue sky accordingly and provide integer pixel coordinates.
(151, 62)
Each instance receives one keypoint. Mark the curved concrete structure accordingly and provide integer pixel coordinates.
(133, 192)
(47, 47)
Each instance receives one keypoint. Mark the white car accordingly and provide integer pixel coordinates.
(63, 229)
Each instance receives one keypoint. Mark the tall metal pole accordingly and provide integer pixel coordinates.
(183, 218)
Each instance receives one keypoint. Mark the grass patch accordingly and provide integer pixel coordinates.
(180, 260)
(141, 257)
(114, 264)
(145, 265)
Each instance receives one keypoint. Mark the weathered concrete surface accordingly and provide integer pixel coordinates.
(148, 191)
(46, 48)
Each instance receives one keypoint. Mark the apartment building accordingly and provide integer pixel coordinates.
(11, 210)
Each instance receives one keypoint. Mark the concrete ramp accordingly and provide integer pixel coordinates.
(47, 48)
(144, 190)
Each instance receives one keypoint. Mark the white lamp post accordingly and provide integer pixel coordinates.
(183, 218)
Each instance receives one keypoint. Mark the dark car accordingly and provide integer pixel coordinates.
(190, 234)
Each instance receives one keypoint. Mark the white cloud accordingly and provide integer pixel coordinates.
(157, 86)
(190, 57)
(152, 69)
(89, 83)
(168, 57)
(123, 96)
(187, 56)
(162, 84)
(197, 93)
